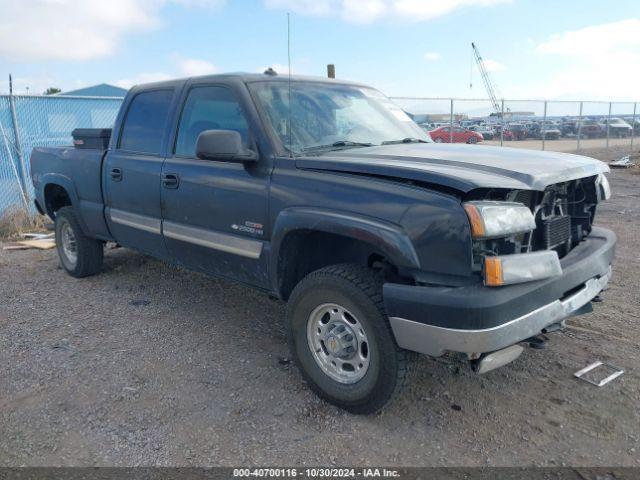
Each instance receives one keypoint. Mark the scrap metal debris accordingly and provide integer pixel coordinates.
(582, 374)
(624, 162)
(42, 241)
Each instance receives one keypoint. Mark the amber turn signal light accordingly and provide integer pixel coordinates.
(475, 219)
(493, 276)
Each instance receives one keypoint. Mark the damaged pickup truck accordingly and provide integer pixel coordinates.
(325, 194)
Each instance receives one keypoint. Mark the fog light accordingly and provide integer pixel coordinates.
(520, 268)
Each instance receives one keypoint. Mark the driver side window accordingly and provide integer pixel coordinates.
(208, 108)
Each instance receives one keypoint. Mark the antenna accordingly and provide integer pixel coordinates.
(289, 81)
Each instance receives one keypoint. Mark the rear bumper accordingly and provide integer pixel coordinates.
(478, 319)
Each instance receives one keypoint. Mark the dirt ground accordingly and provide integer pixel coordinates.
(148, 364)
(569, 144)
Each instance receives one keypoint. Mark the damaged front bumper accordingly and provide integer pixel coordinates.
(478, 319)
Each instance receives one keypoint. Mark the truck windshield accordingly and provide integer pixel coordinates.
(333, 117)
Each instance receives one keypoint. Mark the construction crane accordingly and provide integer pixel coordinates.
(491, 91)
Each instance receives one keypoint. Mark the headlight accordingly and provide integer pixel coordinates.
(498, 219)
(603, 187)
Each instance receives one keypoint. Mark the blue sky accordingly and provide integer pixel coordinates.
(535, 49)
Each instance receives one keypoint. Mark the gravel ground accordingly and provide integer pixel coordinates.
(148, 364)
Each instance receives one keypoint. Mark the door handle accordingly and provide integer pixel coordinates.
(170, 180)
(116, 174)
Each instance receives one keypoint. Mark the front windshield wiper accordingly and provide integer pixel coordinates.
(339, 143)
(404, 140)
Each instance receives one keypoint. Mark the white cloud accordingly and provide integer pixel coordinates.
(182, 67)
(594, 40)
(32, 30)
(143, 78)
(362, 11)
(367, 11)
(492, 65)
(432, 56)
(599, 62)
(428, 9)
(303, 7)
(192, 67)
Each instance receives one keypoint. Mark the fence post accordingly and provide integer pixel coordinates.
(608, 123)
(451, 123)
(16, 138)
(502, 123)
(13, 166)
(579, 126)
(544, 125)
(633, 126)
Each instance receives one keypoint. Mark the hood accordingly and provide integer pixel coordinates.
(459, 166)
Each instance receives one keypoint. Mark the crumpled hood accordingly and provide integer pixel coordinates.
(459, 166)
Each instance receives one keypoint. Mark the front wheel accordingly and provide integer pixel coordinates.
(341, 339)
(80, 255)
(472, 140)
(438, 140)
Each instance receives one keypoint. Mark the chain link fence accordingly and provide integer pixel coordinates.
(563, 126)
(30, 121)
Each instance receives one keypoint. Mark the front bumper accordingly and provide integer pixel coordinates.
(478, 319)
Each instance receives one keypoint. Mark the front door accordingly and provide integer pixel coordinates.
(215, 212)
(131, 179)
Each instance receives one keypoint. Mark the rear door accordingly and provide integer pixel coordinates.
(215, 212)
(131, 175)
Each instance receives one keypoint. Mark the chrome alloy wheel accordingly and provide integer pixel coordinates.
(69, 245)
(338, 343)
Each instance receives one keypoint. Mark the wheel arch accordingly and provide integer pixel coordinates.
(59, 191)
(306, 239)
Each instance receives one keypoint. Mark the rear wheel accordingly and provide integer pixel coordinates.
(472, 140)
(79, 255)
(438, 140)
(341, 339)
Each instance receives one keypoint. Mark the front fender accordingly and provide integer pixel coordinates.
(386, 237)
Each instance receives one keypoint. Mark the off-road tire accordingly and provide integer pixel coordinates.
(359, 290)
(89, 251)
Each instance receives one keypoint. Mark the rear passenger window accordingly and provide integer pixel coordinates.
(146, 122)
(208, 108)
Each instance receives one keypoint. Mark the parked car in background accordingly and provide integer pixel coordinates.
(617, 127)
(548, 130)
(486, 132)
(427, 127)
(504, 132)
(460, 135)
(590, 129)
(569, 128)
(518, 131)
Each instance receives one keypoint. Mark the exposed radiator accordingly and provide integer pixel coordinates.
(555, 231)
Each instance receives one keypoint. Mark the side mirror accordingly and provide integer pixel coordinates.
(223, 145)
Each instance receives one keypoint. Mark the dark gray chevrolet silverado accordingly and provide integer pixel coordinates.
(326, 195)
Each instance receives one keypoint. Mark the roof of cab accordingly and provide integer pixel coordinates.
(246, 78)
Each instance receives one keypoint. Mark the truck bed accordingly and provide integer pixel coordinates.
(80, 172)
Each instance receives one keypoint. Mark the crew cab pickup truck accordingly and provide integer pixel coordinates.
(327, 195)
